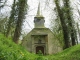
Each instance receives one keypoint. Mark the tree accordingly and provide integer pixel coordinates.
(21, 8)
(67, 22)
(64, 25)
(2, 3)
(12, 20)
(3, 25)
(57, 30)
(3, 20)
(70, 20)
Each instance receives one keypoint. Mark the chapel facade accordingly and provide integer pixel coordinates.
(41, 38)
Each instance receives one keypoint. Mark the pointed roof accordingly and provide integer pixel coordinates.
(39, 12)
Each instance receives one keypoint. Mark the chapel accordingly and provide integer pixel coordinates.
(41, 38)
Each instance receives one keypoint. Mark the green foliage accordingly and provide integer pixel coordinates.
(40, 53)
(40, 58)
(11, 51)
(57, 30)
(3, 25)
(22, 4)
(71, 53)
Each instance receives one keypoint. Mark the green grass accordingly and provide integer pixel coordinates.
(11, 51)
(72, 53)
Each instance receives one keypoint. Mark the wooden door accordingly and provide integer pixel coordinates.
(39, 48)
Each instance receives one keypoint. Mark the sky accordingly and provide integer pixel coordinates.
(7, 8)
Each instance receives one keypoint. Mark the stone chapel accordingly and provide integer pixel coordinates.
(41, 38)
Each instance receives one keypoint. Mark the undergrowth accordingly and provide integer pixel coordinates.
(11, 51)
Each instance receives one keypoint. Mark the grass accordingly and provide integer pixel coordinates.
(72, 53)
(11, 51)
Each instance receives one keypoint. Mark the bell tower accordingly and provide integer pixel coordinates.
(39, 19)
(40, 38)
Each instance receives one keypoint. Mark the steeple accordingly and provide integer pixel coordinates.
(39, 11)
(39, 19)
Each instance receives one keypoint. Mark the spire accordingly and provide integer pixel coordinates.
(39, 19)
(39, 12)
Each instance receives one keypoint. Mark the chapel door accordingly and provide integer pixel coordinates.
(39, 48)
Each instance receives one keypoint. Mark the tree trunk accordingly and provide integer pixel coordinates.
(17, 33)
(70, 21)
(11, 19)
(64, 26)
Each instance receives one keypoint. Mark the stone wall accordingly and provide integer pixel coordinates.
(51, 45)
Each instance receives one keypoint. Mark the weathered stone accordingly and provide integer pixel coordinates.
(41, 38)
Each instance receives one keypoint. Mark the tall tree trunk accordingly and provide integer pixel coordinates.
(78, 33)
(70, 21)
(64, 26)
(11, 19)
(22, 4)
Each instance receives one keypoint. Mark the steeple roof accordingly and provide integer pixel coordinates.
(39, 12)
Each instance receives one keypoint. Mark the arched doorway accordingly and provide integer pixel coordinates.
(39, 48)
